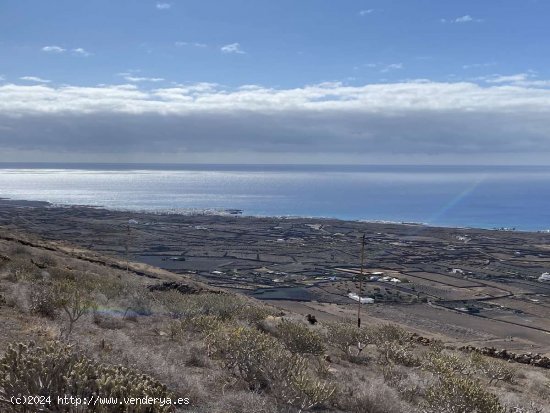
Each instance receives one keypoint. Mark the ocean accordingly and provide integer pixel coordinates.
(454, 196)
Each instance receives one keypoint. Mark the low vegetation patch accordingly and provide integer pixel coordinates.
(57, 370)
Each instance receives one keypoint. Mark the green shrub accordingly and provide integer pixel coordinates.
(75, 300)
(298, 338)
(459, 394)
(395, 352)
(223, 306)
(21, 269)
(57, 370)
(265, 365)
(203, 325)
(444, 363)
(346, 336)
(390, 333)
(43, 300)
(495, 370)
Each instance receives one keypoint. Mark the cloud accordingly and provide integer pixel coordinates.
(79, 51)
(131, 77)
(163, 6)
(34, 79)
(325, 121)
(462, 19)
(366, 12)
(53, 49)
(232, 48)
(527, 79)
(392, 66)
(478, 65)
(190, 44)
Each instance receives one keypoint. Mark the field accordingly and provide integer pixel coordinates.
(467, 286)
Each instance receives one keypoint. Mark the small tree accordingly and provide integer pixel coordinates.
(75, 301)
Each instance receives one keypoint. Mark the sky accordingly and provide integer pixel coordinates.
(286, 81)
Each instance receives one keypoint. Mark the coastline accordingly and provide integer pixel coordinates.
(492, 272)
(228, 212)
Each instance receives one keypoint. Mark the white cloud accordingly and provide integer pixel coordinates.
(462, 19)
(136, 79)
(478, 65)
(34, 79)
(366, 12)
(527, 79)
(163, 6)
(191, 44)
(392, 66)
(331, 119)
(79, 51)
(53, 49)
(232, 48)
(520, 77)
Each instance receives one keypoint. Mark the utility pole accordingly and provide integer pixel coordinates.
(361, 281)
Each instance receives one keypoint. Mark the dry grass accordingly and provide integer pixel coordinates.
(228, 353)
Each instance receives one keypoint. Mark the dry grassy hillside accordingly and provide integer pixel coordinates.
(73, 323)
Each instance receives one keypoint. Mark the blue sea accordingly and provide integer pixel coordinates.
(456, 196)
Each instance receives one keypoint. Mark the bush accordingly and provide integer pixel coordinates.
(443, 363)
(203, 325)
(266, 366)
(346, 336)
(390, 333)
(43, 300)
(20, 269)
(298, 338)
(57, 370)
(395, 352)
(454, 394)
(375, 397)
(74, 299)
(223, 306)
(495, 370)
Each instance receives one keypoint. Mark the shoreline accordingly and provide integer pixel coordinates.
(227, 212)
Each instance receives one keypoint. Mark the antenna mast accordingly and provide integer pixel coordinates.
(361, 281)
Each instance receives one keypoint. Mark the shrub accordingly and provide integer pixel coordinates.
(224, 306)
(454, 394)
(43, 300)
(346, 336)
(390, 333)
(443, 363)
(374, 397)
(495, 370)
(265, 365)
(57, 370)
(298, 338)
(395, 352)
(203, 325)
(20, 269)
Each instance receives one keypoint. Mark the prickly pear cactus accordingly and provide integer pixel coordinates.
(57, 370)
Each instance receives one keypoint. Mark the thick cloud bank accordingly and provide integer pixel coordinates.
(413, 118)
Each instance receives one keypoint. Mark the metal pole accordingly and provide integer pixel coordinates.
(361, 282)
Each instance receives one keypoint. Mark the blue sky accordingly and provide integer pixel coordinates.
(286, 43)
(217, 47)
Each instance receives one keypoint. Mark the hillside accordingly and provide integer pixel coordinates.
(94, 326)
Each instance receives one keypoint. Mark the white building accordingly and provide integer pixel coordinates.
(364, 300)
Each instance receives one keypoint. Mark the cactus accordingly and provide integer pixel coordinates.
(57, 369)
